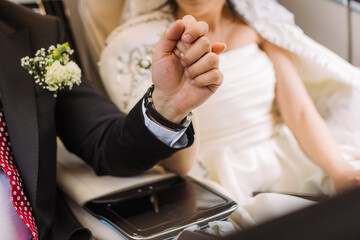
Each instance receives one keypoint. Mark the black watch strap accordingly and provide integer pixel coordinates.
(160, 119)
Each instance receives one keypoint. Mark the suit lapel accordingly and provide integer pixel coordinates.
(19, 102)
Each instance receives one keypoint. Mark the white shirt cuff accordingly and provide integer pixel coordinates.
(173, 139)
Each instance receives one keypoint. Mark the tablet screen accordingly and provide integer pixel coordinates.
(173, 203)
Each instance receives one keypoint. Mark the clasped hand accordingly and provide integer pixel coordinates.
(185, 69)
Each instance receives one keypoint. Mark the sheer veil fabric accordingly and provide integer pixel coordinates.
(250, 150)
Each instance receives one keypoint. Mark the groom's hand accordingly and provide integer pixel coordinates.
(185, 69)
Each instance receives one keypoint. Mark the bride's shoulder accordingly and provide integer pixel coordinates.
(141, 28)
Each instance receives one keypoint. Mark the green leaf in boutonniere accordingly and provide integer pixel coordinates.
(52, 69)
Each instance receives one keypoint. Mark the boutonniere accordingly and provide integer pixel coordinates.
(52, 69)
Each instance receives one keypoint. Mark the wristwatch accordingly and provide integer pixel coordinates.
(160, 119)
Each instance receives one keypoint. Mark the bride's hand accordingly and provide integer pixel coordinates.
(346, 179)
(184, 78)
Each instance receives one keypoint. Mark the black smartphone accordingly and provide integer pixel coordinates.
(160, 210)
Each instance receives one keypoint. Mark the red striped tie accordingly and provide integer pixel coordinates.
(21, 204)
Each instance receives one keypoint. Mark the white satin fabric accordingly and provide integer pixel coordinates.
(244, 143)
(247, 147)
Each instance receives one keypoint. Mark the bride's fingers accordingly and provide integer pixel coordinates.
(197, 30)
(211, 79)
(193, 29)
(206, 63)
(218, 48)
(196, 51)
(188, 20)
(182, 47)
(179, 54)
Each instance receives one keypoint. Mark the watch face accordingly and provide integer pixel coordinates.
(186, 122)
(148, 96)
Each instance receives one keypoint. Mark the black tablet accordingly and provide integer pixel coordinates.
(160, 210)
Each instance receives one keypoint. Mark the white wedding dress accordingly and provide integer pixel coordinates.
(247, 147)
(243, 141)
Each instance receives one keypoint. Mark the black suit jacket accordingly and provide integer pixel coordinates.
(88, 124)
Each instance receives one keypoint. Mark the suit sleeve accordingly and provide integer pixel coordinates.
(113, 143)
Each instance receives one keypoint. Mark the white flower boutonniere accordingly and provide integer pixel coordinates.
(52, 69)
